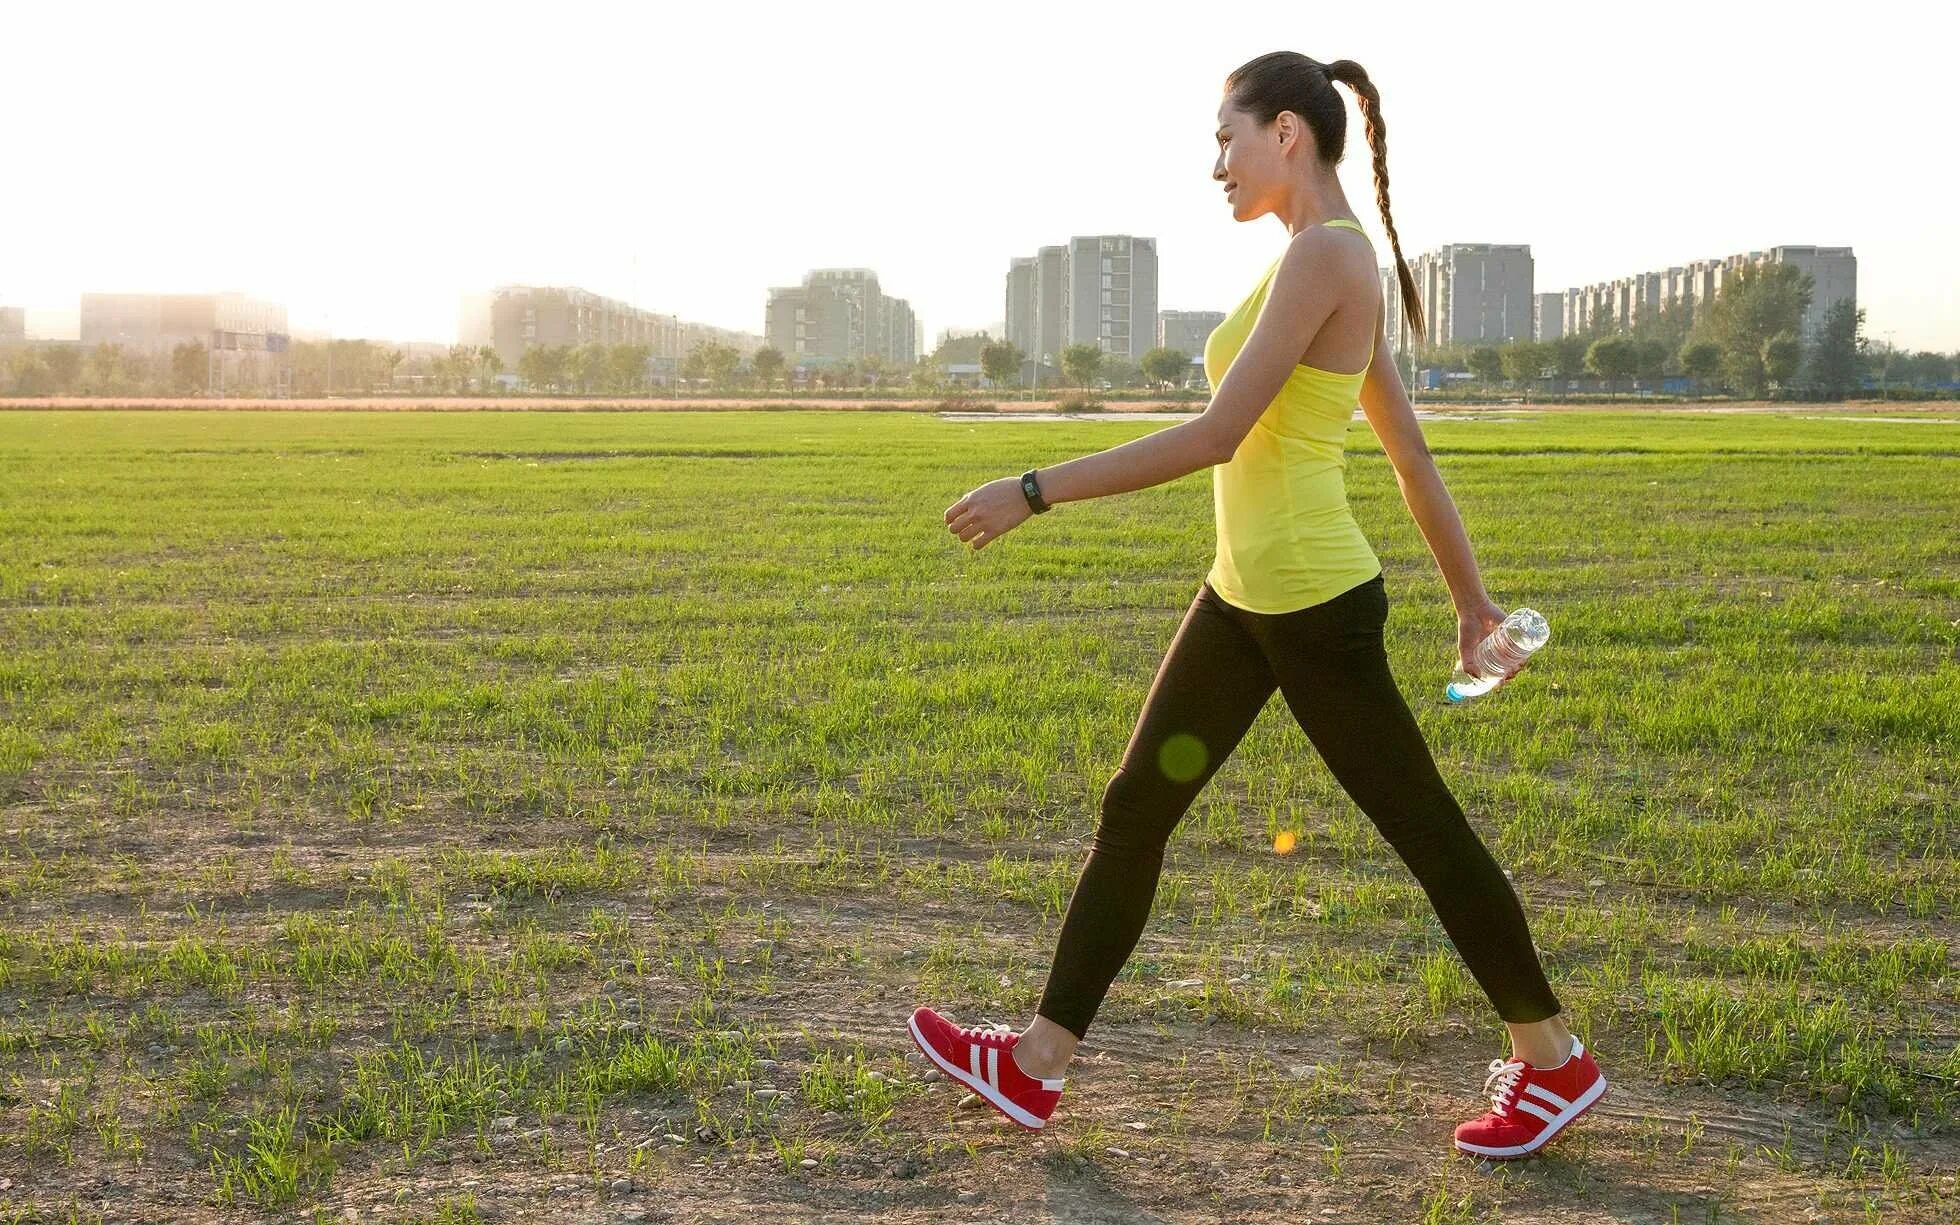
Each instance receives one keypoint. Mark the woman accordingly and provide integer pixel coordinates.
(1294, 600)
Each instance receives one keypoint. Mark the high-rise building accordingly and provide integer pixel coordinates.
(1471, 293)
(1113, 293)
(1401, 338)
(840, 315)
(1023, 282)
(245, 339)
(1187, 331)
(514, 318)
(1626, 301)
(1098, 289)
(1051, 303)
(1548, 316)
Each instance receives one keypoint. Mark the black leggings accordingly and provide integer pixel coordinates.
(1328, 661)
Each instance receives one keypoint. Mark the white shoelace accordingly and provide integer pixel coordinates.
(1504, 1074)
(969, 1032)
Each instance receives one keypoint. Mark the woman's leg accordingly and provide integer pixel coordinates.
(1211, 685)
(1333, 670)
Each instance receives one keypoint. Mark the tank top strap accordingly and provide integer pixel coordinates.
(1349, 224)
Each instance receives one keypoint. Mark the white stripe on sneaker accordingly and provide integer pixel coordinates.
(993, 1066)
(1548, 1095)
(1534, 1108)
(1554, 1126)
(974, 1052)
(975, 1083)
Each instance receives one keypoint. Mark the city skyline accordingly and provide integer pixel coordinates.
(924, 168)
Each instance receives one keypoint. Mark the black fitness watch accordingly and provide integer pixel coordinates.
(1033, 492)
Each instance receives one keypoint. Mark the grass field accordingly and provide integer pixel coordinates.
(453, 817)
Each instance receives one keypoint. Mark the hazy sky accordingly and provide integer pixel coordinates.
(366, 164)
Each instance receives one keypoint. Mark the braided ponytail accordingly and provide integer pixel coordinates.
(1356, 78)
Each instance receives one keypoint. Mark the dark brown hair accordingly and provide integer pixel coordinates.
(1288, 81)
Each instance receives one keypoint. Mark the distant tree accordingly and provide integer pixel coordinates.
(768, 364)
(64, 366)
(1701, 362)
(29, 371)
(927, 376)
(1669, 325)
(1119, 371)
(694, 365)
(1755, 303)
(457, 367)
(1486, 364)
(102, 370)
(1612, 358)
(1832, 358)
(1523, 361)
(1781, 353)
(1000, 361)
(1569, 355)
(489, 365)
(626, 368)
(718, 361)
(1924, 368)
(1081, 363)
(723, 359)
(587, 372)
(189, 368)
(1650, 358)
(544, 367)
(1166, 365)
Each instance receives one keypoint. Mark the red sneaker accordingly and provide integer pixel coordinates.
(1531, 1105)
(983, 1061)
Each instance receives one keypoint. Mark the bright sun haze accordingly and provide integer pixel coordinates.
(366, 164)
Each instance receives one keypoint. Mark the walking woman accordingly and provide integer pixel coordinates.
(1294, 601)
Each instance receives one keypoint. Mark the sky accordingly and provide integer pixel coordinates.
(368, 164)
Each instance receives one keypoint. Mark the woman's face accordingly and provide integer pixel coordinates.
(1251, 160)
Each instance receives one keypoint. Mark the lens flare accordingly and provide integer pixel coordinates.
(1283, 842)
(1182, 757)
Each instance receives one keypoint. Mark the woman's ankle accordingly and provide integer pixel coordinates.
(1542, 1044)
(1044, 1049)
(1045, 1065)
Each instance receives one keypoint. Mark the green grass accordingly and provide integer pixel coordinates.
(369, 779)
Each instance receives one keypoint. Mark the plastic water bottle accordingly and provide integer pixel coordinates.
(1502, 652)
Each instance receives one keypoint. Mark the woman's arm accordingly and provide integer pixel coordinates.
(1387, 406)
(1303, 294)
(1163, 455)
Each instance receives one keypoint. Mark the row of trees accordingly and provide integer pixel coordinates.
(347, 366)
(105, 370)
(1749, 340)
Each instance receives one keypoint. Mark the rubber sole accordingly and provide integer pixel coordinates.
(1014, 1114)
(1552, 1130)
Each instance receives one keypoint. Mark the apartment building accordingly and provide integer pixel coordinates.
(1470, 292)
(1627, 300)
(1098, 289)
(514, 318)
(244, 338)
(839, 315)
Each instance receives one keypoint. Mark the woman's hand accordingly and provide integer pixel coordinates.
(988, 512)
(1473, 625)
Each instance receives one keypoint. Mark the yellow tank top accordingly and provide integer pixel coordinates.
(1285, 536)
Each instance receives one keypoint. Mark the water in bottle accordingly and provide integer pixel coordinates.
(1502, 652)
